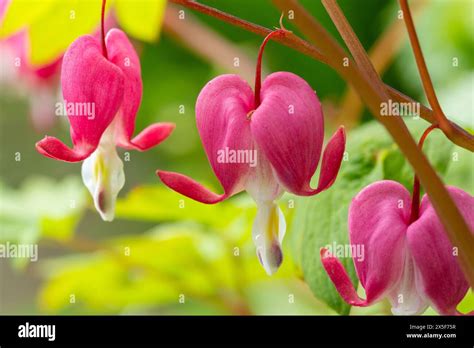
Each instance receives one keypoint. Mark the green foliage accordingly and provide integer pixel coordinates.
(142, 272)
(467, 304)
(141, 19)
(41, 208)
(445, 35)
(152, 272)
(204, 252)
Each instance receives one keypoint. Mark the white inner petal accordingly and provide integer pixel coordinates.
(405, 298)
(268, 231)
(269, 226)
(103, 175)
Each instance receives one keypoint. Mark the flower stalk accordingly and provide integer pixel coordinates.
(258, 70)
(102, 29)
(415, 202)
(423, 69)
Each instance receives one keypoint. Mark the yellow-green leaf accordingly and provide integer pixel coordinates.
(21, 13)
(141, 19)
(60, 26)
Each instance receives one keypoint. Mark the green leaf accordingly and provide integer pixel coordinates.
(21, 13)
(460, 173)
(467, 304)
(51, 25)
(56, 29)
(141, 19)
(437, 148)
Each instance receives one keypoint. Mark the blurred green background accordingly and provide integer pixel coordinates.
(160, 257)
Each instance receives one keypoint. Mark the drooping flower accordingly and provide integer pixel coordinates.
(280, 126)
(102, 90)
(408, 257)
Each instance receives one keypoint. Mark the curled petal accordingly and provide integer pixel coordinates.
(331, 163)
(441, 278)
(189, 187)
(341, 279)
(149, 137)
(54, 148)
(288, 126)
(378, 218)
(90, 83)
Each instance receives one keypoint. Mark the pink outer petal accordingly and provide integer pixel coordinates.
(378, 219)
(122, 53)
(288, 126)
(87, 78)
(221, 116)
(441, 278)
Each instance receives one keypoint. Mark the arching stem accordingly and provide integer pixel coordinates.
(258, 71)
(415, 200)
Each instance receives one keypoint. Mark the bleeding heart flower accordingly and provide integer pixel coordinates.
(106, 80)
(282, 128)
(408, 256)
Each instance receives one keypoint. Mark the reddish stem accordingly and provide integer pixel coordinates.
(415, 201)
(443, 122)
(258, 72)
(102, 25)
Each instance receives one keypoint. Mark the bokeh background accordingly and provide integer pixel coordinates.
(158, 256)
